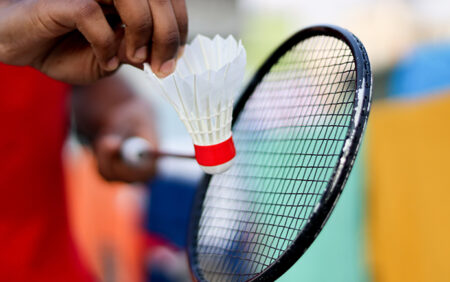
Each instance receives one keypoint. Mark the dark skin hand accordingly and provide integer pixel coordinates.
(107, 113)
(80, 41)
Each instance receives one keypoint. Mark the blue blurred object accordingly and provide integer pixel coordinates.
(423, 72)
(169, 208)
(168, 216)
(158, 277)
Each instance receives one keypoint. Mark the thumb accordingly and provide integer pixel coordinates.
(107, 151)
(108, 144)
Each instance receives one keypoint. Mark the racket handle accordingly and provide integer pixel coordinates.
(135, 150)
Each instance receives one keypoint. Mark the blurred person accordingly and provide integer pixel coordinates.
(76, 42)
(106, 113)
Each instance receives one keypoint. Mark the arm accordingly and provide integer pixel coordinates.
(106, 114)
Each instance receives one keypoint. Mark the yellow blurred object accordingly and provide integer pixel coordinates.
(105, 220)
(409, 193)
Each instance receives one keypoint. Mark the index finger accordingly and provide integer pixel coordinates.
(137, 17)
(166, 38)
(180, 10)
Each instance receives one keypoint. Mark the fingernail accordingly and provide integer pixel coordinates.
(180, 51)
(141, 54)
(167, 68)
(112, 64)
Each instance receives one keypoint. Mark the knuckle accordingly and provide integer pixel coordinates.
(103, 42)
(160, 2)
(179, 3)
(143, 26)
(87, 8)
(171, 40)
(107, 42)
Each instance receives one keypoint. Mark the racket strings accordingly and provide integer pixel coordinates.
(288, 141)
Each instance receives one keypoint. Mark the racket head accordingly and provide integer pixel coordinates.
(228, 237)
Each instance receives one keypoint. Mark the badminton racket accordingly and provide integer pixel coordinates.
(297, 130)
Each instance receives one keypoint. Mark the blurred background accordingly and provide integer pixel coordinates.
(393, 220)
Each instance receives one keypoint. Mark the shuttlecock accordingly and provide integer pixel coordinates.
(201, 90)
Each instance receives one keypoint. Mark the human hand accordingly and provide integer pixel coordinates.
(129, 120)
(72, 40)
(107, 114)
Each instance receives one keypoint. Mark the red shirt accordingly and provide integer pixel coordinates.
(35, 243)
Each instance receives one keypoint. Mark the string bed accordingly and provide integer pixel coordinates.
(288, 139)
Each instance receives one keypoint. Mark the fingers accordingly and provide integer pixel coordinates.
(137, 17)
(91, 22)
(161, 25)
(180, 10)
(112, 166)
(166, 38)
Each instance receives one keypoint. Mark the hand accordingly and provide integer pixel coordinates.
(72, 40)
(107, 113)
(127, 121)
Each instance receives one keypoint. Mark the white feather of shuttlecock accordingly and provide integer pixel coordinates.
(203, 86)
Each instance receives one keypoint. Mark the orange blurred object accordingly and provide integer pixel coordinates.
(105, 220)
(409, 193)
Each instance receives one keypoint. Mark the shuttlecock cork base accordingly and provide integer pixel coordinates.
(216, 158)
(201, 90)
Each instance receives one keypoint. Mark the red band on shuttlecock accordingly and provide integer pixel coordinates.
(217, 154)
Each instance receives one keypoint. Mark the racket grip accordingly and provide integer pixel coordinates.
(134, 150)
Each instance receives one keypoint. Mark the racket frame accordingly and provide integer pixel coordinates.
(341, 171)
